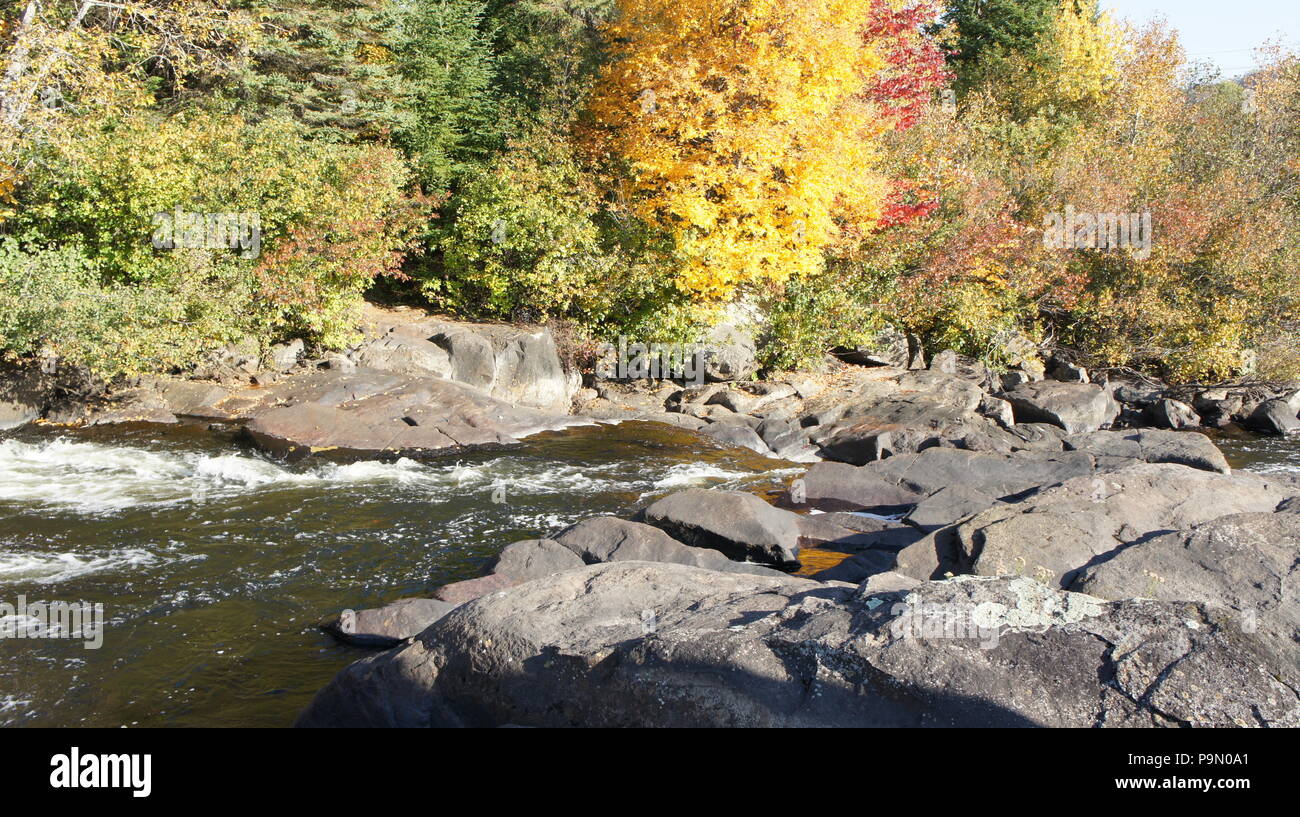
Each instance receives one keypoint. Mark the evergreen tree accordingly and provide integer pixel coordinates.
(991, 32)
(327, 63)
(450, 122)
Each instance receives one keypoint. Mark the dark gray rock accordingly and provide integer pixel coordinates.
(1003, 476)
(835, 486)
(948, 505)
(1173, 414)
(1275, 417)
(1147, 445)
(820, 531)
(1246, 562)
(604, 539)
(741, 526)
(1076, 407)
(1052, 535)
(387, 626)
(655, 645)
(739, 436)
(1067, 372)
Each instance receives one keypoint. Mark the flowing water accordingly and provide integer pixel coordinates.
(215, 564)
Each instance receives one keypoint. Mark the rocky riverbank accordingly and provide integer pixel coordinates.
(1033, 547)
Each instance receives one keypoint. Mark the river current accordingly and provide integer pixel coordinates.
(215, 564)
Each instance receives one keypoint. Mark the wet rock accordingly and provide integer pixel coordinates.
(1076, 407)
(138, 405)
(386, 626)
(656, 645)
(740, 525)
(740, 436)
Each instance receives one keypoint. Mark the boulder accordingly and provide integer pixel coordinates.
(370, 412)
(948, 505)
(1245, 562)
(635, 644)
(1173, 414)
(1076, 407)
(22, 396)
(1002, 476)
(1056, 533)
(284, 356)
(470, 589)
(1067, 372)
(389, 625)
(836, 486)
(135, 405)
(404, 356)
(736, 435)
(604, 539)
(867, 533)
(1147, 445)
(1275, 416)
(888, 347)
(532, 559)
(728, 354)
(740, 525)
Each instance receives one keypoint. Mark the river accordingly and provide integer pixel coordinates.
(215, 564)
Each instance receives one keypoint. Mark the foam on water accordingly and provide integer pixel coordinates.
(50, 568)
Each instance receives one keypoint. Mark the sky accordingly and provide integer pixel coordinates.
(1224, 32)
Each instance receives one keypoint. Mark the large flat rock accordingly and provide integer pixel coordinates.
(658, 645)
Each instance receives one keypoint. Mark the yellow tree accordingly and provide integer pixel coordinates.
(82, 58)
(744, 131)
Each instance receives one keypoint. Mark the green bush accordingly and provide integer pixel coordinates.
(332, 217)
